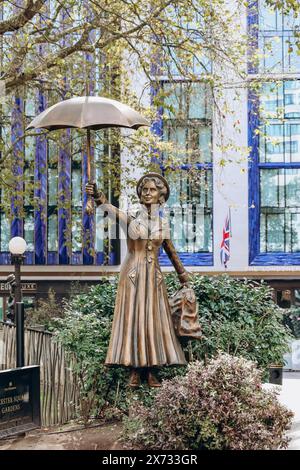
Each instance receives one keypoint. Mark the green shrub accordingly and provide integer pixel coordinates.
(86, 336)
(84, 331)
(238, 317)
(99, 299)
(218, 406)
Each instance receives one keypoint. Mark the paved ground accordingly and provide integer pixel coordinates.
(290, 396)
(93, 438)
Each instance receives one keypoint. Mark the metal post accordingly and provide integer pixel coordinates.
(19, 312)
(20, 334)
(18, 294)
(17, 247)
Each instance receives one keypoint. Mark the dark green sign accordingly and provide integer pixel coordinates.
(19, 400)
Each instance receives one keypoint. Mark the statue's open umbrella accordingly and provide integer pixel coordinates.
(88, 112)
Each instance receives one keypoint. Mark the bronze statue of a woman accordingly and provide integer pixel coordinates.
(143, 335)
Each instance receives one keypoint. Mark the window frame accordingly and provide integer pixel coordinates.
(188, 259)
(256, 257)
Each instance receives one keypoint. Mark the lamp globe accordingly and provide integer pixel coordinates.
(17, 246)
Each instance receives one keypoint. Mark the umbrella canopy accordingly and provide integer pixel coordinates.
(88, 112)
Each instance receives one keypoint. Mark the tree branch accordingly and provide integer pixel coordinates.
(16, 22)
(50, 62)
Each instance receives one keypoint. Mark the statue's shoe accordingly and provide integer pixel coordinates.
(153, 380)
(135, 379)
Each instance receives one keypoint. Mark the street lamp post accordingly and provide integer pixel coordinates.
(17, 247)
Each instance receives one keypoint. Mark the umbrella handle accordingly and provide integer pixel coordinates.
(89, 208)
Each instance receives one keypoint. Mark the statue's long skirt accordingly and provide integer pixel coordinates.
(142, 332)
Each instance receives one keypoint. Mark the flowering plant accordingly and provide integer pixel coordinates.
(218, 406)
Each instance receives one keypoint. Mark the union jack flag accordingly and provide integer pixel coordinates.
(225, 245)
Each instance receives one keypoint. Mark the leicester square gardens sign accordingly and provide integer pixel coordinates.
(19, 400)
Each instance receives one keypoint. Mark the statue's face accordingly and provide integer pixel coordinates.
(150, 194)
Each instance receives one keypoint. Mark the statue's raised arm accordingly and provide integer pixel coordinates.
(102, 201)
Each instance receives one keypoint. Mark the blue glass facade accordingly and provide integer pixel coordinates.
(274, 138)
(184, 121)
(47, 206)
(53, 219)
(187, 123)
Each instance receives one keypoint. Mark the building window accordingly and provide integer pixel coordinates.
(52, 228)
(100, 227)
(4, 220)
(280, 210)
(5, 206)
(77, 196)
(274, 138)
(277, 40)
(107, 160)
(29, 162)
(188, 125)
(190, 208)
(4, 232)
